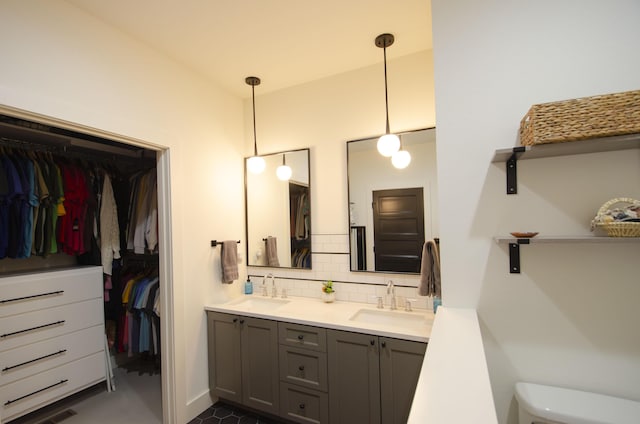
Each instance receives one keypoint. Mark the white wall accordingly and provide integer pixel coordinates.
(59, 62)
(570, 319)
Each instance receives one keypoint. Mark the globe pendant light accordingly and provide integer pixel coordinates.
(255, 164)
(401, 159)
(389, 143)
(284, 171)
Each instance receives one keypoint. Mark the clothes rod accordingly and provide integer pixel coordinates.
(214, 243)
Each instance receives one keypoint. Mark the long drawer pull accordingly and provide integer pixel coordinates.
(34, 360)
(32, 328)
(16, 299)
(9, 402)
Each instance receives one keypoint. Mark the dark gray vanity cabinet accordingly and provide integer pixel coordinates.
(371, 379)
(400, 365)
(303, 373)
(243, 360)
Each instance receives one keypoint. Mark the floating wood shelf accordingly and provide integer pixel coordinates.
(513, 154)
(514, 244)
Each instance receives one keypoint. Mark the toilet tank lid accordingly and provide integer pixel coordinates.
(567, 405)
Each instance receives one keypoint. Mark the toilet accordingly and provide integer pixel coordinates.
(555, 405)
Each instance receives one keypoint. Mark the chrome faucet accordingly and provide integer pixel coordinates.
(264, 286)
(274, 289)
(391, 289)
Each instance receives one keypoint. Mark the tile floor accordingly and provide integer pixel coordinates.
(221, 413)
(137, 399)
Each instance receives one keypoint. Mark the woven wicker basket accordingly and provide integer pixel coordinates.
(617, 228)
(583, 118)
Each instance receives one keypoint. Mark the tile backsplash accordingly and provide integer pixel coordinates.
(330, 261)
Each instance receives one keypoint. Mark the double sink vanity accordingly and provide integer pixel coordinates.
(313, 362)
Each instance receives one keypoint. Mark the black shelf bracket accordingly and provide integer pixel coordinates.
(512, 170)
(514, 255)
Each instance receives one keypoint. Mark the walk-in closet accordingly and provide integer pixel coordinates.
(79, 277)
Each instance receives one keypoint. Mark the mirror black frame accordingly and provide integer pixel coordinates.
(304, 256)
(357, 234)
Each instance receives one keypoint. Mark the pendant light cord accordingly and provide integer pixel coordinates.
(386, 96)
(255, 141)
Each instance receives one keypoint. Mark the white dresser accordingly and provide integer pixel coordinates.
(52, 339)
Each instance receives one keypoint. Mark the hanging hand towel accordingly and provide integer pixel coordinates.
(272, 252)
(229, 261)
(430, 270)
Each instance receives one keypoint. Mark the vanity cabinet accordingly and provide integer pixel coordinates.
(243, 360)
(372, 379)
(303, 373)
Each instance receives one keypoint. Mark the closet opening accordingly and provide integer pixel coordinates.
(71, 199)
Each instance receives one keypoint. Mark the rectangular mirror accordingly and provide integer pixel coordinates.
(278, 212)
(392, 212)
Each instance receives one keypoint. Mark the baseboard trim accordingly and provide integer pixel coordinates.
(198, 405)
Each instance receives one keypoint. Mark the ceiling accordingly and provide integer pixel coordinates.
(283, 42)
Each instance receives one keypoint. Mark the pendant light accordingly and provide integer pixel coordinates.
(389, 143)
(401, 159)
(284, 171)
(255, 164)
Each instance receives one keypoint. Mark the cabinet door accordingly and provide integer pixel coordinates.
(400, 364)
(260, 364)
(225, 373)
(354, 378)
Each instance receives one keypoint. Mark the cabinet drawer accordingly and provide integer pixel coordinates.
(302, 336)
(34, 392)
(38, 357)
(303, 405)
(303, 367)
(30, 292)
(19, 330)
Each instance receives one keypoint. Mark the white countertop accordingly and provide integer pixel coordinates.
(454, 385)
(415, 326)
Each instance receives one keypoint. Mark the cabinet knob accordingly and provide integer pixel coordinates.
(235, 320)
(301, 406)
(241, 321)
(300, 337)
(301, 367)
(372, 342)
(383, 344)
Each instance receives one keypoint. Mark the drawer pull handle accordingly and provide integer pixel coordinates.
(235, 320)
(9, 402)
(383, 344)
(33, 328)
(300, 337)
(241, 321)
(302, 405)
(16, 299)
(372, 342)
(34, 360)
(301, 367)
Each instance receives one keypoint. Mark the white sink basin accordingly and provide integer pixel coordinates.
(251, 303)
(395, 318)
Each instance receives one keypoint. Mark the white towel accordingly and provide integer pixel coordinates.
(271, 248)
(430, 270)
(229, 261)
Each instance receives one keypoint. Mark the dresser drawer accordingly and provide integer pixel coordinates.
(303, 367)
(19, 330)
(302, 336)
(30, 292)
(38, 357)
(28, 394)
(303, 405)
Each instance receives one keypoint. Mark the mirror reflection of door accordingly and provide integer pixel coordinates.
(398, 229)
(369, 171)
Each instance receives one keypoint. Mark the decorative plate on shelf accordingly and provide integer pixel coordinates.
(524, 235)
